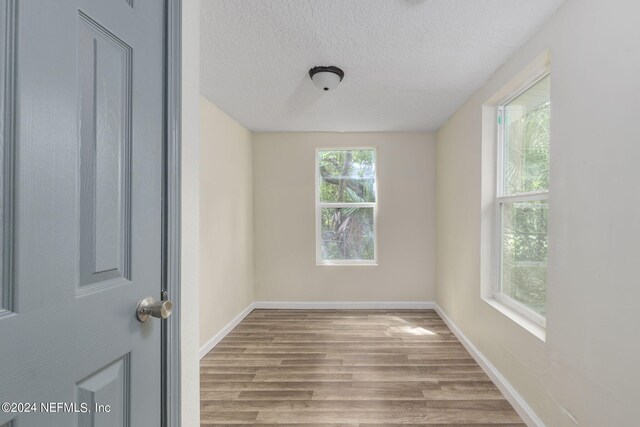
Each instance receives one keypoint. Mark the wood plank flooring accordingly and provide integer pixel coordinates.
(347, 368)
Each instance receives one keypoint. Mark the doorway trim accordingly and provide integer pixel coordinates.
(171, 364)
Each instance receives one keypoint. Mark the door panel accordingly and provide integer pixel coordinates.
(110, 384)
(105, 151)
(83, 174)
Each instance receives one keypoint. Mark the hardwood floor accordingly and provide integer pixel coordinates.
(347, 368)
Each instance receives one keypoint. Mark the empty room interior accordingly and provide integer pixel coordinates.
(418, 212)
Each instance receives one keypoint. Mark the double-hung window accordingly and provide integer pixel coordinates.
(522, 199)
(346, 206)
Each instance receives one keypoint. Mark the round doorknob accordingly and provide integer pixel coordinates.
(149, 307)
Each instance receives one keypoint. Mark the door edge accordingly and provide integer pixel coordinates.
(171, 364)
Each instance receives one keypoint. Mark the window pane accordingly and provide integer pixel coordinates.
(347, 176)
(524, 253)
(526, 140)
(347, 233)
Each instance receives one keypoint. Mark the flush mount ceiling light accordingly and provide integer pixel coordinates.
(326, 78)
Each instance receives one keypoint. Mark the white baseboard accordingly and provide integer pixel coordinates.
(519, 404)
(224, 331)
(345, 305)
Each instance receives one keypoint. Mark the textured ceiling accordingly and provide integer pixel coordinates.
(409, 64)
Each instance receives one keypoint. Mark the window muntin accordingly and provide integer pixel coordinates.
(522, 202)
(346, 206)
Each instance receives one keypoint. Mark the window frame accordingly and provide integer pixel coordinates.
(501, 198)
(320, 205)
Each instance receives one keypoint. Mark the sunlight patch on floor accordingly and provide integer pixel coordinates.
(413, 330)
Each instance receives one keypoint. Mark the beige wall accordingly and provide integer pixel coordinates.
(587, 369)
(226, 220)
(284, 220)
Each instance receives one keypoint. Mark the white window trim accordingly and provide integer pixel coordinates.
(492, 197)
(320, 205)
(501, 198)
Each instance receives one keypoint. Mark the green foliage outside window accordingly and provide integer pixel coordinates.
(525, 169)
(347, 177)
(524, 253)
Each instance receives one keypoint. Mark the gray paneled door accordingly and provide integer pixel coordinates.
(81, 138)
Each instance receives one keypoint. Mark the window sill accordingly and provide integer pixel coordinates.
(524, 322)
(345, 264)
